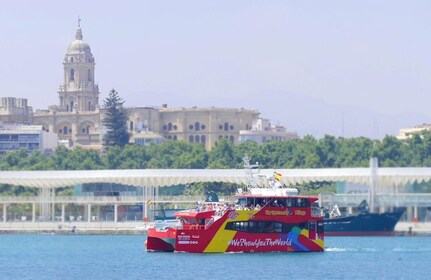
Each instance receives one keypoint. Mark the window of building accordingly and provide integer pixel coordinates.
(191, 127)
(175, 127)
(231, 127)
(191, 138)
(90, 78)
(165, 127)
(203, 139)
(232, 138)
(71, 59)
(72, 74)
(89, 105)
(220, 127)
(60, 131)
(197, 126)
(175, 137)
(197, 139)
(226, 126)
(65, 130)
(131, 126)
(70, 130)
(169, 126)
(203, 127)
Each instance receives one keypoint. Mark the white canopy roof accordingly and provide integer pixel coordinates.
(168, 177)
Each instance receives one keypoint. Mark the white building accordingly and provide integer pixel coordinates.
(406, 133)
(31, 137)
(262, 131)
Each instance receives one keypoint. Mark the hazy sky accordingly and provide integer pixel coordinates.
(372, 54)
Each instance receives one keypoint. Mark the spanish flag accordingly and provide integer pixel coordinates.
(149, 202)
(277, 176)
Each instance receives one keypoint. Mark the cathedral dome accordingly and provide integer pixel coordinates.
(79, 45)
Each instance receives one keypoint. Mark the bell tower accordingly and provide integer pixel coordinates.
(79, 92)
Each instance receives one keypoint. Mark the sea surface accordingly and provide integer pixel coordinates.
(25, 256)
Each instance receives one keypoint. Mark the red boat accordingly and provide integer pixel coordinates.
(257, 222)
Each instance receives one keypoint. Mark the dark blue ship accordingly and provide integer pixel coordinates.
(363, 223)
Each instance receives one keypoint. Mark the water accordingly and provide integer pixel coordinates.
(124, 257)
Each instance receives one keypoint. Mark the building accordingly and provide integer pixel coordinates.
(406, 133)
(15, 110)
(262, 131)
(77, 119)
(31, 137)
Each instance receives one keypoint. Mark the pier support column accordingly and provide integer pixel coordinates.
(63, 212)
(33, 212)
(4, 213)
(98, 212)
(89, 212)
(115, 213)
(415, 214)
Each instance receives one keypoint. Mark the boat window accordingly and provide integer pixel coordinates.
(242, 201)
(264, 226)
(185, 221)
(320, 227)
(278, 227)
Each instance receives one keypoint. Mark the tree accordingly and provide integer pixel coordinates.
(115, 120)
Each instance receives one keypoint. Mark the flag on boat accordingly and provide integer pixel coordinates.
(149, 202)
(277, 176)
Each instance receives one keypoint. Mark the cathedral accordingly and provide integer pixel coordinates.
(77, 119)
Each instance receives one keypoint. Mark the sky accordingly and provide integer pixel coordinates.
(317, 67)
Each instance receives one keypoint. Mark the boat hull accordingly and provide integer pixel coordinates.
(364, 224)
(220, 238)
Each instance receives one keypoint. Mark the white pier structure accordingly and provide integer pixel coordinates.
(384, 184)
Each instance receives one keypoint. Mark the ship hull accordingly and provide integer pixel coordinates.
(364, 224)
(223, 236)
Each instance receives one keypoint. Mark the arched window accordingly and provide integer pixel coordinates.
(72, 75)
(71, 106)
(226, 126)
(203, 139)
(197, 126)
(71, 59)
(89, 105)
(191, 138)
(169, 126)
(232, 139)
(90, 78)
(65, 130)
(175, 137)
(131, 126)
(197, 138)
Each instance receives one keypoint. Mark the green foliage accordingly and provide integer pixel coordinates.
(115, 121)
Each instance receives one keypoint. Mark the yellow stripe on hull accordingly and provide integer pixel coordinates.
(221, 239)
